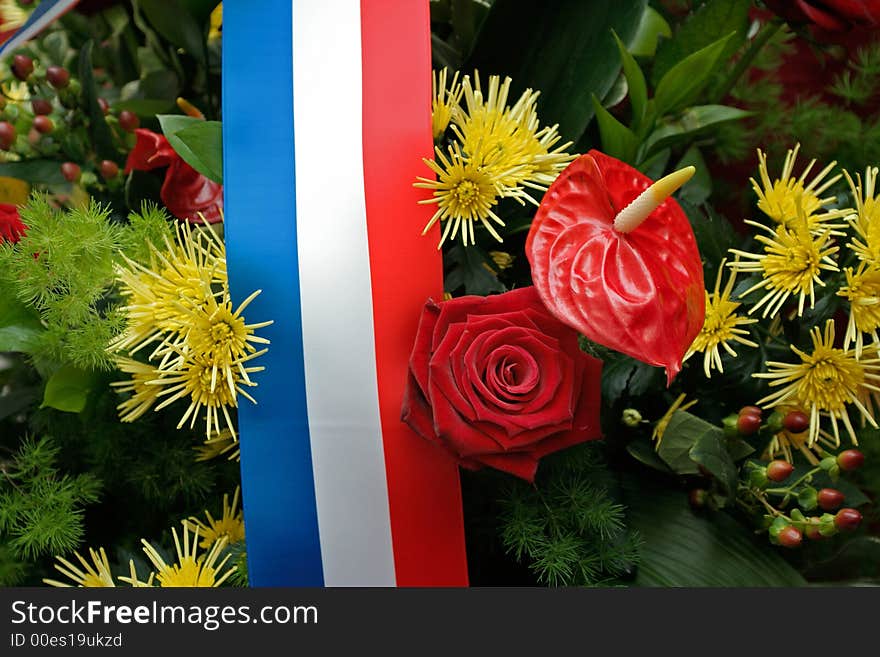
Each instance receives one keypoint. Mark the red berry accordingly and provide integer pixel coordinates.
(43, 124)
(22, 66)
(790, 537)
(105, 106)
(847, 520)
(814, 534)
(58, 76)
(7, 135)
(70, 171)
(109, 169)
(779, 470)
(796, 422)
(697, 497)
(129, 121)
(830, 498)
(752, 410)
(748, 423)
(850, 459)
(41, 106)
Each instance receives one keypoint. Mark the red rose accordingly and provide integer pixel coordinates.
(186, 193)
(11, 226)
(499, 381)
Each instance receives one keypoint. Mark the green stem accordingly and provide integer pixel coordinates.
(764, 35)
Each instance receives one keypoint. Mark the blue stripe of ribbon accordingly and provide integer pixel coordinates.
(260, 226)
(35, 17)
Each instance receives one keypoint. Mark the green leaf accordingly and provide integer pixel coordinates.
(714, 233)
(710, 22)
(689, 124)
(102, 139)
(178, 27)
(635, 80)
(699, 188)
(710, 451)
(617, 140)
(682, 433)
(651, 28)
(16, 400)
(68, 389)
(615, 378)
(644, 453)
(683, 82)
(201, 146)
(144, 107)
(47, 172)
(562, 48)
(468, 267)
(683, 549)
(739, 449)
(19, 325)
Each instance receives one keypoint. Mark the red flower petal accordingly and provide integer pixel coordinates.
(190, 195)
(640, 293)
(11, 226)
(151, 150)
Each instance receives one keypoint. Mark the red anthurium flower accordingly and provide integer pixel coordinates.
(832, 15)
(187, 193)
(11, 226)
(616, 259)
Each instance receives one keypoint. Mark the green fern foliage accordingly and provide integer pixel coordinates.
(568, 527)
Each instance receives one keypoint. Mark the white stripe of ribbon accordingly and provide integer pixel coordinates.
(337, 312)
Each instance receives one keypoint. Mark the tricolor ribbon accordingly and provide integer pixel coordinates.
(46, 12)
(326, 116)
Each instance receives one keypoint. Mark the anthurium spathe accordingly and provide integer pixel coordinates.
(614, 257)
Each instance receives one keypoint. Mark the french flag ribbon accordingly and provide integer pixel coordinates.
(46, 12)
(326, 115)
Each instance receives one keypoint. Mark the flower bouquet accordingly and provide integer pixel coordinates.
(653, 359)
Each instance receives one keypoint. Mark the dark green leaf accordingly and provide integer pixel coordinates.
(562, 48)
(710, 452)
(691, 123)
(178, 27)
(643, 452)
(16, 400)
(654, 166)
(19, 325)
(651, 28)
(467, 18)
(468, 267)
(615, 378)
(160, 84)
(684, 549)
(200, 10)
(710, 22)
(172, 123)
(645, 379)
(699, 188)
(201, 146)
(102, 139)
(683, 82)
(714, 233)
(635, 80)
(617, 140)
(68, 389)
(47, 172)
(739, 449)
(682, 433)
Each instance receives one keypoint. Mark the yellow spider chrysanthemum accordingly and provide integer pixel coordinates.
(862, 290)
(866, 219)
(783, 198)
(195, 377)
(792, 261)
(825, 383)
(12, 15)
(784, 444)
(229, 526)
(444, 101)
(464, 192)
(190, 570)
(216, 28)
(143, 397)
(183, 276)
(721, 326)
(91, 575)
(663, 422)
(509, 139)
(219, 444)
(180, 307)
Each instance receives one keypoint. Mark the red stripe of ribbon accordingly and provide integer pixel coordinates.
(424, 493)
